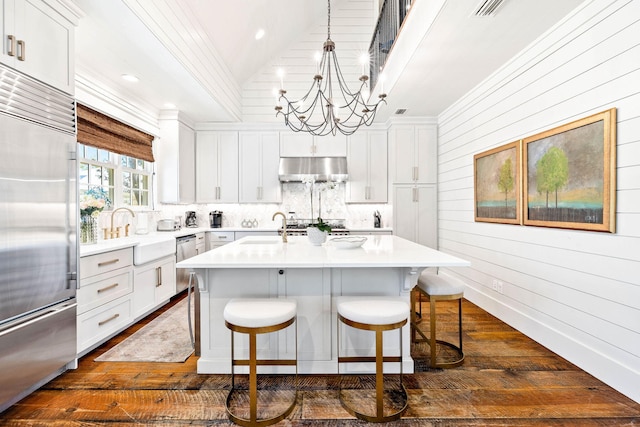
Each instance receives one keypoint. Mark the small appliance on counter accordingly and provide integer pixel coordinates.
(215, 219)
(168, 225)
(190, 219)
(377, 220)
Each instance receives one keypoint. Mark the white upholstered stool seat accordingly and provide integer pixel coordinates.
(254, 316)
(377, 315)
(259, 312)
(437, 287)
(374, 311)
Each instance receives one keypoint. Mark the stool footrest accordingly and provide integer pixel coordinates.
(265, 362)
(355, 359)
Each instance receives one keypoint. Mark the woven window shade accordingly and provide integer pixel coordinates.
(97, 130)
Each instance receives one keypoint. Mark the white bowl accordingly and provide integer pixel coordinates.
(348, 242)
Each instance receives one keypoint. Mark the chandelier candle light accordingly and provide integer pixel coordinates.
(323, 110)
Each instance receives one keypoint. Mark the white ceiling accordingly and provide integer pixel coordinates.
(453, 55)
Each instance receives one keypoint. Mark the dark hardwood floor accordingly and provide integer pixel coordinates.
(506, 380)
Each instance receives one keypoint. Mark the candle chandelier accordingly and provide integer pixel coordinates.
(329, 106)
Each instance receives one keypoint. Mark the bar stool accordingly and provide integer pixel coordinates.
(376, 315)
(437, 287)
(253, 317)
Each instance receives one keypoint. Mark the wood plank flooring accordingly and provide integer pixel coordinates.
(506, 380)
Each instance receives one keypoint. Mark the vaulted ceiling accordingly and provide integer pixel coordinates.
(198, 54)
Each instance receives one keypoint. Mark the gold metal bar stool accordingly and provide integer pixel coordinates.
(253, 317)
(376, 315)
(437, 287)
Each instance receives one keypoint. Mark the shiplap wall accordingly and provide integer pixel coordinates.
(352, 23)
(576, 292)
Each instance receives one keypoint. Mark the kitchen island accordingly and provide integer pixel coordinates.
(315, 276)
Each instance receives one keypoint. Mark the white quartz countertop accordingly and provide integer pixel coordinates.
(271, 252)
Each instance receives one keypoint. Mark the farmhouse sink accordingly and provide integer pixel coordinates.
(151, 250)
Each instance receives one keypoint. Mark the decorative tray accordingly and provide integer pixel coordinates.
(348, 242)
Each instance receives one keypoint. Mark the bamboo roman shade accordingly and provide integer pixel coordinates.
(97, 130)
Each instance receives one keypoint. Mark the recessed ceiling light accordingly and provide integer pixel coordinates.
(259, 34)
(130, 78)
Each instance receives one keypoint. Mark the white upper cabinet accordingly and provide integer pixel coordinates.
(301, 144)
(259, 158)
(217, 167)
(414, 150)
(38, 41)
(367, 166)
(175, 162)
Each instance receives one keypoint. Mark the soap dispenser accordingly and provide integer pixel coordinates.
(376, 219)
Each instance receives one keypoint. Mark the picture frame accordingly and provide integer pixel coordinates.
(497, 185)
(569, 175)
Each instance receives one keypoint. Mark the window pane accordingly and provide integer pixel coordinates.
(95, 175)
(126, 196)
(83, 173)
(103, 156)
(132, 163)
(91, 153)
(144, 198)
(145, 182)
(126, 179)
(140, 164)
(80, 151)
(108, 177)
(135, 178)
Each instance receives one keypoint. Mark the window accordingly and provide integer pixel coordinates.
(125, 179)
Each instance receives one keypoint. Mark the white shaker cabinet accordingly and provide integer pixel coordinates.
(415, 213)
(259, 159)
(175, 161)
(367, 160)
(414, 153)
(302, 144)
(39, 41)
(217, 167)
(154, 284)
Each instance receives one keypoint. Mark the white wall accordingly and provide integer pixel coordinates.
(576, 292)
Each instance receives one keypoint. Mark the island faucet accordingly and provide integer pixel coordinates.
(284, 225)
(112, 231)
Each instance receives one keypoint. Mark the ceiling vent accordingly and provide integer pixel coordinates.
(400, 111)
(488, 7)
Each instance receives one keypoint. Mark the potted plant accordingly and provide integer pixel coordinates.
(317, 232)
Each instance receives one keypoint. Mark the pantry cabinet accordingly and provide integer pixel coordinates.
(259, 159)
(414, 153)
(38, 40)
(415, 213)
(367, 160)
(302, 144)
(217, 167)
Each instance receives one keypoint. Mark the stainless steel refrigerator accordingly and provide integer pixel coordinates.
(38, 235)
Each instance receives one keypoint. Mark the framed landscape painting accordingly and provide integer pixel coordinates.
(570, 175)
(498, 184)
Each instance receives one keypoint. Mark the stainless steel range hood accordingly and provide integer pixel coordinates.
(294, 169)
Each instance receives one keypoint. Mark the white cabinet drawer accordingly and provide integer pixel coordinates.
(95, 294)
(104, 262)
(98, 324)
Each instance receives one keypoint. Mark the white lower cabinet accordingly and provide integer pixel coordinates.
(415, 213)
(104, 297)
(154, 283)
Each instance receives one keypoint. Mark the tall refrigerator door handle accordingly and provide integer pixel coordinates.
(12, 45)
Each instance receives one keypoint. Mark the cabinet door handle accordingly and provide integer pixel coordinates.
(12, 45)
(158, 277)
(114, 317)
(22, 45)
(106, 288)
(415, 173)
(113, 261)
(415, 194)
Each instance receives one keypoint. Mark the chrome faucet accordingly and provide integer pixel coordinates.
(109, 234)
(284, 225)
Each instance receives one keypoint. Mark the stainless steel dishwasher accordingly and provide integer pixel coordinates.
(185, 248)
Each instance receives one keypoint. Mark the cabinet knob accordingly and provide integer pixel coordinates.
(280, 271)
